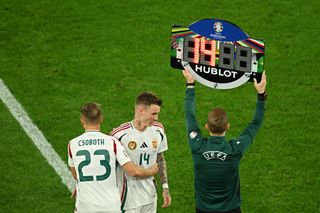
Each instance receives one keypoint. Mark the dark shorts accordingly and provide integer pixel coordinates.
(237, 210)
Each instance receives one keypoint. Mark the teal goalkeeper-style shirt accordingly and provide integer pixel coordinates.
(216, 161)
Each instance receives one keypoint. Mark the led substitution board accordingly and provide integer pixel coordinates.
(217, 53)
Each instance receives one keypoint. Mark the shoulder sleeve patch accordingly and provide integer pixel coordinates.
(193, 134)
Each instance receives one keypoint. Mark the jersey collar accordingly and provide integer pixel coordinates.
(93, 130)
(216, 139)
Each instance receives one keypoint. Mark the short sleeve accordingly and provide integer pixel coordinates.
(163, 144)
(121, 154)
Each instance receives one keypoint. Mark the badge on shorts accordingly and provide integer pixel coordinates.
(132, 145)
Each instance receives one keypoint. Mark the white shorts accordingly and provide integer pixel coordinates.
(149, 208)
(98, 212)
(75, 211)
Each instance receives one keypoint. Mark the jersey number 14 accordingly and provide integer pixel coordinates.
(144, 157)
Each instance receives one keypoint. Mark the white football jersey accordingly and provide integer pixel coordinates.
(94, 156)
(143, 148)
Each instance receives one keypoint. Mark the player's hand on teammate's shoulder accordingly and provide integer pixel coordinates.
(261, 86)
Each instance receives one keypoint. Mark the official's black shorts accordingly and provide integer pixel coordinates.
(237, 210)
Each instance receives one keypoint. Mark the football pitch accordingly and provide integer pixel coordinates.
(57, 55)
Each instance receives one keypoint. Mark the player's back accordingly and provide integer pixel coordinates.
(94, 157)
(216, 171)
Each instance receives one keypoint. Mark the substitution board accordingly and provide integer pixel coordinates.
(217, 53)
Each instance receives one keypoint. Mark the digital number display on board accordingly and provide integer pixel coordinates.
(217, 53)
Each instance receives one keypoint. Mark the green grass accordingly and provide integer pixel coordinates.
(57, 55)
(28, 183)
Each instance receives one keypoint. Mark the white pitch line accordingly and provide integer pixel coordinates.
(36, 136)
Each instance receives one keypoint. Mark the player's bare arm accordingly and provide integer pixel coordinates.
(162, 168)
(133, 170)
(164, 180)
(73, 172)
(74, 175)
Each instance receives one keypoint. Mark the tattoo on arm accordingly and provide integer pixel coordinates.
(162, 168)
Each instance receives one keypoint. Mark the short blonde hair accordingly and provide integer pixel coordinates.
(92, 113)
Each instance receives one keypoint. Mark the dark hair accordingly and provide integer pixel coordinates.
(92, 113)
(148, 98)
(217, 120)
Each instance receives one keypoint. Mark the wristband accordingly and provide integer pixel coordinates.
(165, 186)
(191, 84)
(262, 96)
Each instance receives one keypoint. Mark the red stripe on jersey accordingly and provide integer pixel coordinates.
(157, 124)
(69, 150)
(124, 188)
(114, 147)
(122, 127)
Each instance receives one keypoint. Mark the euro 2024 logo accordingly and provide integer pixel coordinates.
(218, 27)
